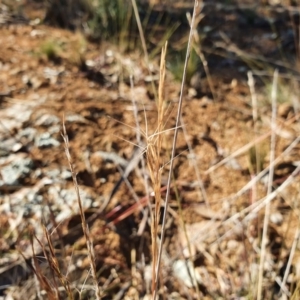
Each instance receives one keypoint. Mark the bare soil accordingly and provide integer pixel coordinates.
(95, 102)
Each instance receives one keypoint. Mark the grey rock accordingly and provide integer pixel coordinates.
(28, 134)
(112, 157)
(9, 145)
(66, 202)
(17, 170)
(54, 129)
(45, 140)
(185, 271)
(47, 120)
(66, 174)
(76, 119)
(57, 174)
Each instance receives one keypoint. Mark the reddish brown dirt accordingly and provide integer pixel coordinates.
(108, 124)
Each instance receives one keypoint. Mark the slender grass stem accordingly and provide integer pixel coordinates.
(188, 51)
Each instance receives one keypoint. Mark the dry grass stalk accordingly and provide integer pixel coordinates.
(296, 294)
(289, 263)
(246, 147)
(188, 51)
(84, 224)
(144, 201)
(197, 48)
(141, 32)
(200, 186)
(144, 45)
(54, 265)
(143, 163)
(257, 157)
(259, 176)
(154, 165)
(252, 210)
(270, 185)
(44, 283)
